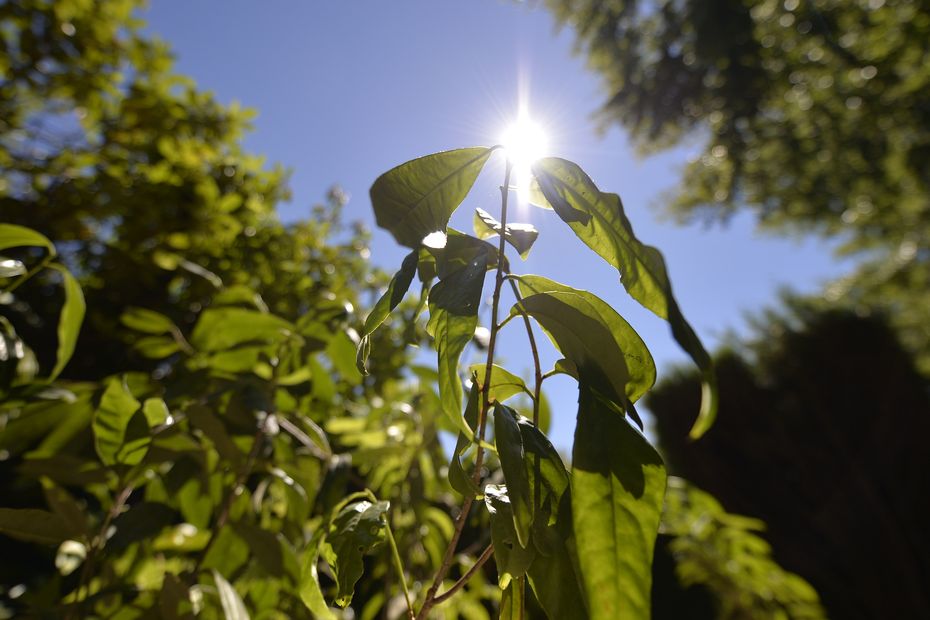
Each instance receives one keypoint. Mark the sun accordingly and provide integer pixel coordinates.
(524, 142)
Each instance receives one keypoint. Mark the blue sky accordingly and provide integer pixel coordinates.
(344, 91)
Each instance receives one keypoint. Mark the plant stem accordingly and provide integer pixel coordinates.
(400, 567)
(460, 521)
(529, 334)
(481, 561)
(96, 546)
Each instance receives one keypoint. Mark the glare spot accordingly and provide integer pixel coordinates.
(68, 29)
(435, 240)
(524, 142)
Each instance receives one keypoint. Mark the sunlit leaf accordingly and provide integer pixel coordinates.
(309, 588)
(618, 483)
(13, 236)
(598, 219)
(418, 198)
(120, 428)
(356, 530)
(394, 294)
(147, 321)
(233, 607)
(69, 322)
(10, 267)
(504, 383)
(512, 601)
(222, 328)
(520, 236)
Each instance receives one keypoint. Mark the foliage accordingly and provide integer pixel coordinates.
(821, 435)
(814, 115)
(723, 552)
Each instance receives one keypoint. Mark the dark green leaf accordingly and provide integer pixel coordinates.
(69, 322)
(520, 236)
(504, 383)
(458, 477)
(418, 198)
(453, 307)
(618, 483)
(592, 336)
(512, 560)
(394, 294)
(509, 442)
(65, 506)
(38, 526)
(147, 321)
(120, 430)
(13, 236)
(599, 221)
(233, 607)
(143, 520)
(357, 529)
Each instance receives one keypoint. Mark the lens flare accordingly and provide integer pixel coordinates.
(524, 142)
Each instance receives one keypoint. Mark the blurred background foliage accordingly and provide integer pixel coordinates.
(813, 114)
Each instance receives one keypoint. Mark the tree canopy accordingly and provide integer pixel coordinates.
(814, 115)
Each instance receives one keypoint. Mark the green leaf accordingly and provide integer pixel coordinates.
(418, 197)
(512, 601)
(458, 477)
(618, 483)
(509, 442)
(357, 529)
(10, 267)
(156, 347)
(598, 219)
(13, 236)
(34, 525)
(69, 322)
(593, 337)
(512, 560)
(147, 321)
(520, 236)
(120, 429)
(453, 308)
(394, 294)
(309, 589)
(155, 411)
(219, 329)
(504, 383)
(233, 607)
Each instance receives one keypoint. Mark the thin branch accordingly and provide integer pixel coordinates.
(455, 587)
(529, 334)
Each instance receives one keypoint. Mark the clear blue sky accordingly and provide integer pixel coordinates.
(347, 90)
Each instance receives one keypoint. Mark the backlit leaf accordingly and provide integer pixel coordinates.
(509, 443)
(69, 322)
(520, 236)
(418, 198)
(222, 328)
(598, 219)
(146, 321)
(394, 294)
(592, 336)
(460, 480)
(512, 560)
(618, 483)
(504, 383)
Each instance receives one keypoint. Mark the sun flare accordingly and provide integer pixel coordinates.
(524, 142)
